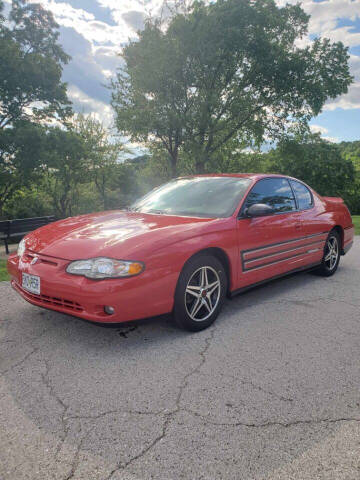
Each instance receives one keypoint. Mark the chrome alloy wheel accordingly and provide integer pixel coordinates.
(331, 252)
(202, 293)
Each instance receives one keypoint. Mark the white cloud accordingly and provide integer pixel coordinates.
(63, 11)
(347, 35)
(318, 129)
(323, 131)
(355, 67)
(325, 14)
(97, 62)
(85, 104)
(324, 21)
(348, 101)
(86, 24)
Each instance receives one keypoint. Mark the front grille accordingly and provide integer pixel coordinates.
(41, 259)
(46, 300)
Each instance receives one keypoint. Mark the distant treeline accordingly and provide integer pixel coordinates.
(84, 184)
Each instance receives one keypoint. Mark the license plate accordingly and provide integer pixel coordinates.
(31, 283)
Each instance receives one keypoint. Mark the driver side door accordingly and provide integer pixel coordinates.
(270, 245)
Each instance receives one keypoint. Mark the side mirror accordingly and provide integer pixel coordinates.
(259, 210)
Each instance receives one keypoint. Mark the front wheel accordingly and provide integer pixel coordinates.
(331, 257)
(200, 293)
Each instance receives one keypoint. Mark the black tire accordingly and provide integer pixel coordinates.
(328, 267)
(204, 302)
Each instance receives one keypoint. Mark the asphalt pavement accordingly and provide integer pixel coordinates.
(271, 391)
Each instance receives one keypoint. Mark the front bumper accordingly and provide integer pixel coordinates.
(145, 295)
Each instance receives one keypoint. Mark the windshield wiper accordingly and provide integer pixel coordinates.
(137, 209)
(158, 212)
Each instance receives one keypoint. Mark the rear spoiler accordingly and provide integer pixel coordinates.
(334, 199)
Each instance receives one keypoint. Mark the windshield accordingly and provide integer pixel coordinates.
(210, 197)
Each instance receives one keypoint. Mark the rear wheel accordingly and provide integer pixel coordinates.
(200, 293)
(331, 258)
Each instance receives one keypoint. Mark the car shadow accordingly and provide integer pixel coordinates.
(161, 329)
(277, 288)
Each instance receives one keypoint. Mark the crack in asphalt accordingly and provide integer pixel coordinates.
(254, 386)
(51, 389)
(342, 301)
(46, 380)
(30, 342)
(114, 412)
(76, 459)
(169, 416)
(272, 423)
(34, 350)
(64, 422)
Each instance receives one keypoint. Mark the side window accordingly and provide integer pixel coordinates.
(303, 195)
(275, 192)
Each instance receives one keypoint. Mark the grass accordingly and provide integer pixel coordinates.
(356, 222)
(3, 272)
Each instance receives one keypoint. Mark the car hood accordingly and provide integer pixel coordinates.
(116, 234)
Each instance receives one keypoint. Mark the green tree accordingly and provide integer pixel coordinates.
(315, 161)
(223, 71)
(29, 201)
(31, 90)
(156, 169)
(31, 66)
(125, 186)
(101, 153)
(351, 151)
(64, 169)
(21, 148)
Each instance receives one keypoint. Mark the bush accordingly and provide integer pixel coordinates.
(28, 202)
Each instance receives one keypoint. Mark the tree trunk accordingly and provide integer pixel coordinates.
(201, 160)
(173, 164)
(104, 196)
(200, 166)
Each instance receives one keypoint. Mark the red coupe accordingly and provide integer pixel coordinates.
(182, 248)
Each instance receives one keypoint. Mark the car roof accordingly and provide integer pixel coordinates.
(254, 176)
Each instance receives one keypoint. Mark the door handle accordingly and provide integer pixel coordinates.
(298, 226)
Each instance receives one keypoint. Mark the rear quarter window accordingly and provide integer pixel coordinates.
(303, 195)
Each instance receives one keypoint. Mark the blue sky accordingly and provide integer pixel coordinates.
(94, 31)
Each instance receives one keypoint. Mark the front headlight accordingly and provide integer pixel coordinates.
(102, 267)
(21, 248)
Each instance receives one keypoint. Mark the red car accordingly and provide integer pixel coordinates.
(182, 248)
